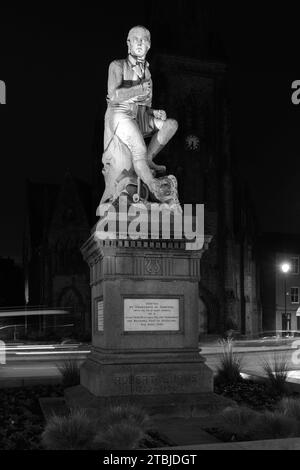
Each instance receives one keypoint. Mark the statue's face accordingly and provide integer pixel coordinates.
(138, 42)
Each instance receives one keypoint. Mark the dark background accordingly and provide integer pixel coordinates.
(54, 62)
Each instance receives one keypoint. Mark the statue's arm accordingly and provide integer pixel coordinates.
(116, 93)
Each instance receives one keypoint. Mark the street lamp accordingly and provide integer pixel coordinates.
(285, 268)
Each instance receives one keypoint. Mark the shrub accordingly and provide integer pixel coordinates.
(70, 372)
(273, 425)
(123, 427)
(237, 422)
(123, 435)
(126, 412)
(290, 407)
(242, 423)
(276, 371)
(256, 395)
(73, 432)
(229, 370)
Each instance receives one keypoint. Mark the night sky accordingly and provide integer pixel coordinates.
(54, 63)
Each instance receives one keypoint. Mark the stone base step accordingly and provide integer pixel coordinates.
(179, 405)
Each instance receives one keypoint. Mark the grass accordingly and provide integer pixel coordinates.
(276, 370)
(274, 425)
(126, 412)
(73, 432)
(230, 367)
(236, 422)
(244, 424)
(123, 435)
(290, 407)
(124, 426)
(121, 427)
(268, 417)
(70, 372)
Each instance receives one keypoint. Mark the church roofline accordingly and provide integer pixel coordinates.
(191, 63)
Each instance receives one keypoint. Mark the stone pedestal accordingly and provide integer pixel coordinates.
(145, 306)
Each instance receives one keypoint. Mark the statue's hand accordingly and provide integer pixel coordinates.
(154, 186)
(160, 114)
(147, 86)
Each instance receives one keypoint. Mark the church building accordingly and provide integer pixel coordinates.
(58, 221)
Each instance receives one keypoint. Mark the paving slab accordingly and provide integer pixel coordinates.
(185, 431)
(270, 444)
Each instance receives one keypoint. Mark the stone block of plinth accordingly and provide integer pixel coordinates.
(145, 305)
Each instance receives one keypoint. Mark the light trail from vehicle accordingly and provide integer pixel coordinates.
(50, 352)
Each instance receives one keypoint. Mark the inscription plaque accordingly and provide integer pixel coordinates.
(151, 314)
(100, 317)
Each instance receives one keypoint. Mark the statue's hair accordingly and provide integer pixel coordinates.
(142, 27)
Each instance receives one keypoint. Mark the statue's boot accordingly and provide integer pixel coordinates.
(143, 171)
(158, 142)
(155, 185)
(153, 149)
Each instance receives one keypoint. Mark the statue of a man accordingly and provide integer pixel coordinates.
(129, 118)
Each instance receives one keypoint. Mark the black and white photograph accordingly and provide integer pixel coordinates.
(150, 230)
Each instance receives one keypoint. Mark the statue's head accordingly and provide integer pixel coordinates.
(139, 41)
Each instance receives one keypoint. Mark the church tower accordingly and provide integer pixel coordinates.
(183, 28)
